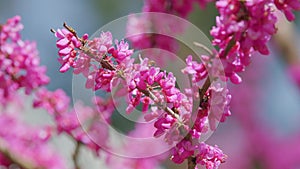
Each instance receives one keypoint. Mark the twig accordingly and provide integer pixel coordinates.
(167, 109)
(13, 158)
(191, 162)
(204, 88)
(76, 155)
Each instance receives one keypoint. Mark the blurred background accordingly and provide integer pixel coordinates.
(265, 109)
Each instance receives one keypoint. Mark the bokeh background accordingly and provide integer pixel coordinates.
(268, 93)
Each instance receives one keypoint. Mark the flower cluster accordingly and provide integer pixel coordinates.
(217, 98)
(22, 145)
(209, 156)
(155, 30)
(140, 149)
(181, 8)
(145, 84)
(19, 62)
(67, 43)
(218, 104)
(250, 128)
(245, 27)
(81, 53)
(26, 145)
(72, 121)
(286, 6)
(141, 79)
(242, 27)
(144, 32)
(197, 70)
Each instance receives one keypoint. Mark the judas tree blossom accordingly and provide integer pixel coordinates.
(67, 43)
(71, 121)
(141, 148)
(242, 27)
(19, 62)
(209, 156)
(182, 151)
(197, 70)
(180, 8)
(245, 27)
(249, 128)
(287, 7)
(154, 30)
(218, 104)
(147, 85)
(148, 31)
(26, 143)
(22, 145)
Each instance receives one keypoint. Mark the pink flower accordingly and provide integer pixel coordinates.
(28, 143)
(146, 157)
(149, 31)
(142, 78)
(67, 43)
(147, 85)
(153, 114)
(19, 62)
(104, 106)
(134, 99)
(121, 51)
(137, 31)
(99, 46)
(103, 79)
(286, 6)
(218, 105)
(73, 121)
(11, 30)
(181, 8)
(182, 151)
(82, 64)
(104, 42)
(199, 125)
(209, 156)
(242, 27)
(163, 123)
(168, 88)
(92, 128)
(55, 103)
(197, 70)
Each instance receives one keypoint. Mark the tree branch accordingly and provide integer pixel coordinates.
(191, 162)
(76, 155)
(14, 159)
(159, 104)
(204, 88)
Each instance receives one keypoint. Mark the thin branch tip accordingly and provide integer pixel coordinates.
(52, 30)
